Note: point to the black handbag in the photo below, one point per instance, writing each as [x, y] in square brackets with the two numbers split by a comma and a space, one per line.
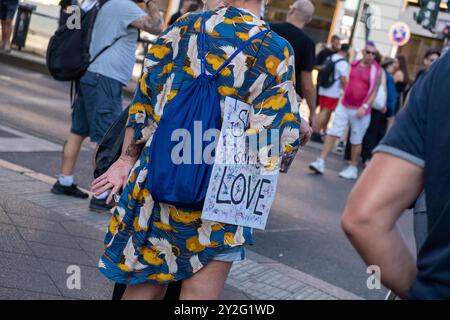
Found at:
[110, 147]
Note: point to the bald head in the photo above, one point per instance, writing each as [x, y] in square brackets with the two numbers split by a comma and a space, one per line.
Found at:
[301, 12]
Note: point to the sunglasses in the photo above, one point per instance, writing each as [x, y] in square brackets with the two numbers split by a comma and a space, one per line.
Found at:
[373, 53]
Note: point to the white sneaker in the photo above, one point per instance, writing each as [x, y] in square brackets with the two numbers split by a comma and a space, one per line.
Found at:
[318, 166]
[351, 173]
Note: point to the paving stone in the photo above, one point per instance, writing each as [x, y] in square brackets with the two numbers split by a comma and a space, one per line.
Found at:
[51, 238]
[37, 223]
[56, 202]
[93, 285]
[4, 217]
[11, 241]
[8, 175]
[26, 280]
[21, 262]
[22, 187]
[21, 207]
[16, 294]
[71, 256]
[80, 230]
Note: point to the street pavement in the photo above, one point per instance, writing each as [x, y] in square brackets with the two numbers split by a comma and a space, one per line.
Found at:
[303, 233]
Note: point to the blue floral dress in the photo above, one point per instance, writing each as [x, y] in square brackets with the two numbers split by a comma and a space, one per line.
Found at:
[150, 242]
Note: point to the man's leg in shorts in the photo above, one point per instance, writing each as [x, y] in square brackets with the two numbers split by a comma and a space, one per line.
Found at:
[80, 125]
[340, 123]
[108, 107]
[328, 105]
[323, 119]
[359, 128]
[6, 15]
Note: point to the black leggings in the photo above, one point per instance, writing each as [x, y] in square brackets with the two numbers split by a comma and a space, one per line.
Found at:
[172, 294]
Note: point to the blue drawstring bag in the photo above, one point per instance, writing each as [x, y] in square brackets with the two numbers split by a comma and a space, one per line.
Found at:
[194, 111]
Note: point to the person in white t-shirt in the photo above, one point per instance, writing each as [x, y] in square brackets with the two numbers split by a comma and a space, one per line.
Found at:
[329, 97]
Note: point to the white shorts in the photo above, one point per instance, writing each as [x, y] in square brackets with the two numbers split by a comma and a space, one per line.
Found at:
[344, 117]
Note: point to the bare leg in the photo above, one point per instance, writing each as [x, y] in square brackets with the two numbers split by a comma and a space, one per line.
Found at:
[206, 284]
[6, 33]
[328, 146]
[70, 154]
[323, 119]
[146, 291]
[356, 153]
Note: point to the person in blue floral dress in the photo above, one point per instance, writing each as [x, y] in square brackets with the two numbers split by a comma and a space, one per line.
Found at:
[150, 244]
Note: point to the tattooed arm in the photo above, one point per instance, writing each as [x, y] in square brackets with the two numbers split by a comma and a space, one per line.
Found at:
[130, 149]
[153, 22]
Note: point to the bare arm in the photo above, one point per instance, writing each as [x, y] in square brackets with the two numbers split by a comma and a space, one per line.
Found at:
[116, 176]
[309, 91]
[130, 149]
[343, 81]
[373, 208]
[151, 23]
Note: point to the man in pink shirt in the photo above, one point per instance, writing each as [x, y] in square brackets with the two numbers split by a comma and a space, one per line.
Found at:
[354, 111]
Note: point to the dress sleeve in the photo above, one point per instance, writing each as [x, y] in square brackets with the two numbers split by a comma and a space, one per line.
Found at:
[277, 106]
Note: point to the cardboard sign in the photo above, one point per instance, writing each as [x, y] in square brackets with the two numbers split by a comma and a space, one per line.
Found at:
[241, 190]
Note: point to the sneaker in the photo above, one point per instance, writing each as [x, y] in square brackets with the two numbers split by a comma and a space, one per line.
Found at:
[351, 173]
[316, 137]
[318, 166]
[72, 190]
[340, 147]
[100, 205]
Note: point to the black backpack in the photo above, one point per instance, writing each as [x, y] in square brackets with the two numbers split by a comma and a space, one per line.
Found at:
[68, 49]
[110, 148]
[327, 75]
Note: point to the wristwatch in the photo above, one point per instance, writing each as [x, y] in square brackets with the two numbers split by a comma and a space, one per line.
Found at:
[365, 106]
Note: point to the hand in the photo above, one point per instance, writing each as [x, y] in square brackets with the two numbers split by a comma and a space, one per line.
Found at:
[361, 112]
[384, 110]
[305, 133]
[116, 177]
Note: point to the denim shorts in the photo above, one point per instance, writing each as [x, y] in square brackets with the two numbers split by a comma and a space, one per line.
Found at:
[97, 105]
[8, 9]
[231, 255]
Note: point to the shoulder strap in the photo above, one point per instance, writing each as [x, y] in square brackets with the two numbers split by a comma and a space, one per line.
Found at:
[228, 61]
[242, 47]
[105, 48]
[203, 43]
[338, 60]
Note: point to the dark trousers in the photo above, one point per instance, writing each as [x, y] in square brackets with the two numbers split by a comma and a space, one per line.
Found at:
[376, 131]
[172, 294]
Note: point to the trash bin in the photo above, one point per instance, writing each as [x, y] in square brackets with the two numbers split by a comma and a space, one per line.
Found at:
[22, 24]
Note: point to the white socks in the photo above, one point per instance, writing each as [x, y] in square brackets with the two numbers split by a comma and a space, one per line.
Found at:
[66, 181]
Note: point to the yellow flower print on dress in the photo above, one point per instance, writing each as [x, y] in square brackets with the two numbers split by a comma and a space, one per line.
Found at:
[275, 102]
[150, 255]
[159, 51]
[272, 64]
[161, 277]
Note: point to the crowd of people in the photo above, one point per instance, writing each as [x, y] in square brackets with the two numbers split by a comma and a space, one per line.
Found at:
[365, 96]
[151, 246]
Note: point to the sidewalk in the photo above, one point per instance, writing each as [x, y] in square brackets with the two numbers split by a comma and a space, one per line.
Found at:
[42, 234]
[37, 63]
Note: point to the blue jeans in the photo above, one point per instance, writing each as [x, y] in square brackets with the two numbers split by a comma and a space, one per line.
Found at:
[97, 105]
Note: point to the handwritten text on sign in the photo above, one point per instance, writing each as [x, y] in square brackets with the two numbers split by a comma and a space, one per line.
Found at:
[238, 193]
